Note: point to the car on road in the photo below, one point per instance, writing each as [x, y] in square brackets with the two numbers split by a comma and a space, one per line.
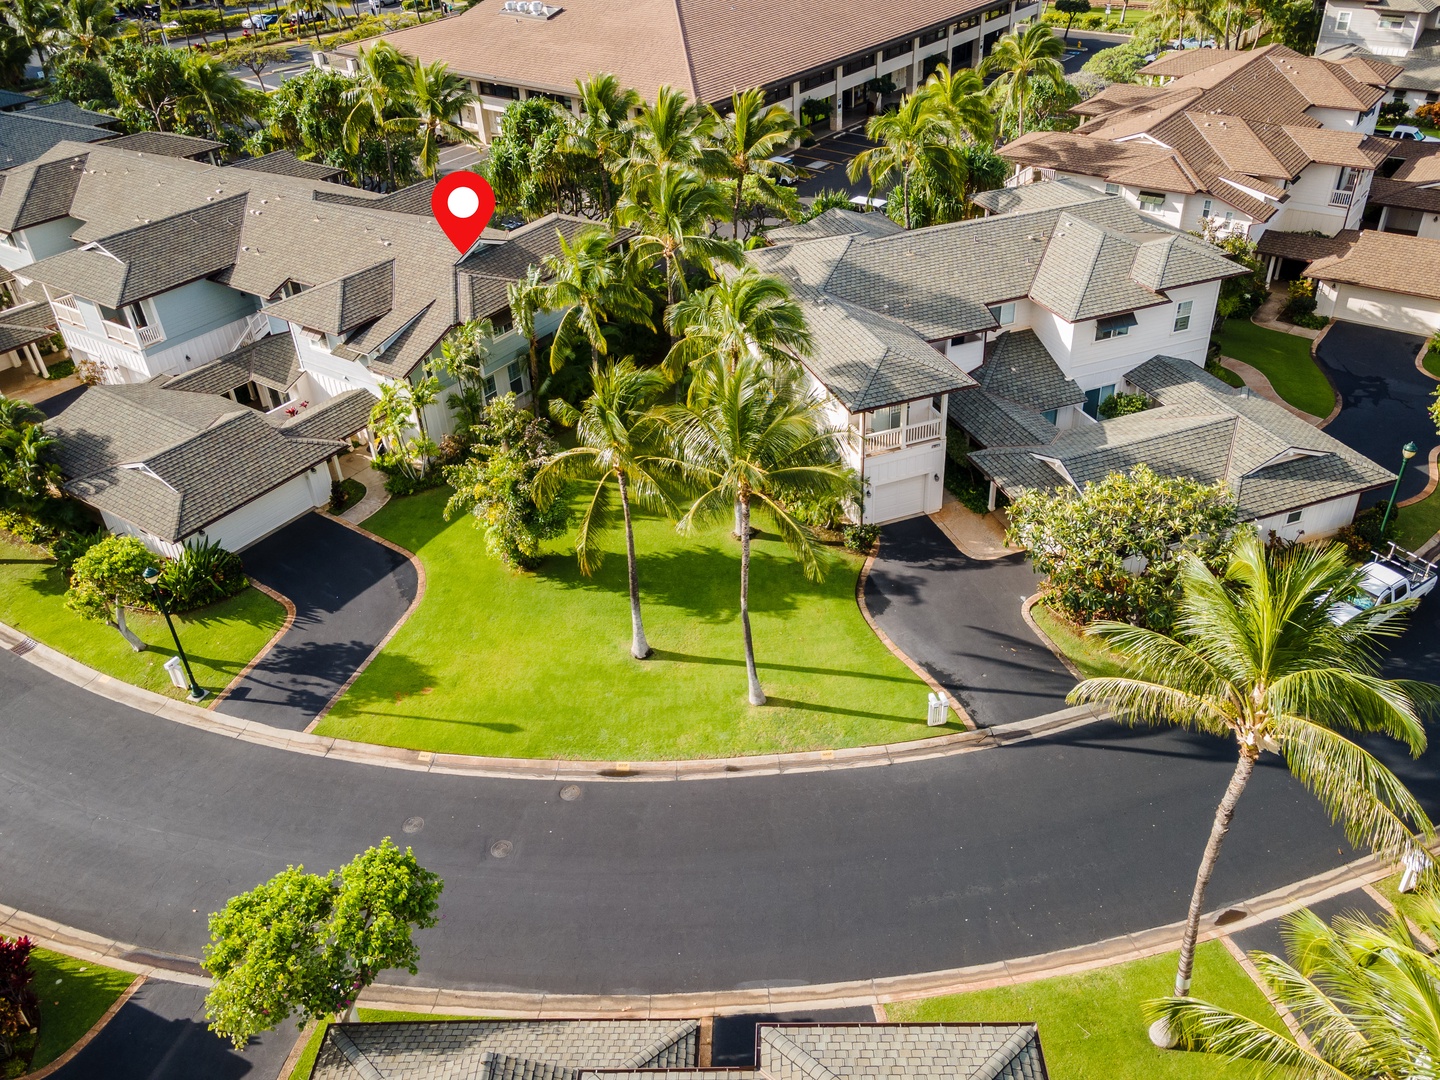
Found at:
[258, 22]
[297, 17]
[1407, 131]
[786, 175]
[1387, 579]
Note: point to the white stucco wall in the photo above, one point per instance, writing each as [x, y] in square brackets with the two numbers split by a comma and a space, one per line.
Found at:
[1373, 307]
[1316, 521]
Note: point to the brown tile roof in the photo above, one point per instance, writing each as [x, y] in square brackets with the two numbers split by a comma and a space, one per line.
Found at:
[708, 48]
[1306, 246]
[1390, 262]
[1182, 62]
[1409, 196]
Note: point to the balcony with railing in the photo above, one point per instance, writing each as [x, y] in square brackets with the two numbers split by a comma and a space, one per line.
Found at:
[911, 425]
[1342, 198]
[67, 311]
[137, 337]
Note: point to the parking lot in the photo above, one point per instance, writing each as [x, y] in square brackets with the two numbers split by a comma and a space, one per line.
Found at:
[823, 164]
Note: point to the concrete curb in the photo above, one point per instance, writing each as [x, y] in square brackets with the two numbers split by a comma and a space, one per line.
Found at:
[1036, 629]
[553, 770]
[1315, 358]
[859, 992]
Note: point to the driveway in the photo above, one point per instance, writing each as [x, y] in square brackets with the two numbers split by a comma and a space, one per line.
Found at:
[1384, 399]
[959, 618]
[160, 1034]
[348, 591]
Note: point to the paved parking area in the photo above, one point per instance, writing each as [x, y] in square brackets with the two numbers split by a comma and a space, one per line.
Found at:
[827, 160]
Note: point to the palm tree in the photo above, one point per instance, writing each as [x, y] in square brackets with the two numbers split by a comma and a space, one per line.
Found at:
[1027, 52]
[1256, 658]
[433, 100]
[1364, 993]
[382, 79]
[757, 439]
[913, 140]
[959, 96]
[671, 132]
[526, 298]
[671, 209]
[748, 315]
[594, 284]
[35, 21]
[621, 438]
[750, 136]
[87, 27]
[215, 95]
[603, 131]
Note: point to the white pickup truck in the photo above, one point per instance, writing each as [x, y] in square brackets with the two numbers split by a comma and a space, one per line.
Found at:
[1396, 575]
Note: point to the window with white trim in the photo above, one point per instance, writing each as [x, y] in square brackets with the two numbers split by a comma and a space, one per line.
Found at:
[1206, 207]
[1152, 200]
[1391, 22]
[1112, 189]
[1182, 315]
[517, 384]
[1342, 21]
[1004, 313]
[1293, 518]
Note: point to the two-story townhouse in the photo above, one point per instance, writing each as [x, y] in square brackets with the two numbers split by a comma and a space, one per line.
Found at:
[833, 51]
[1010, 325]
[1407, 190]
[1405, 33]
[1241, 142]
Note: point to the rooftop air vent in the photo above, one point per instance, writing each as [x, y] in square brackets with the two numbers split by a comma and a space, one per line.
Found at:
[530, 9]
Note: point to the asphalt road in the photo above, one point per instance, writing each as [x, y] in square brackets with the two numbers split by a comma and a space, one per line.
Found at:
[133, 827]
[959, 618]
[1385, 399]
[348, 592]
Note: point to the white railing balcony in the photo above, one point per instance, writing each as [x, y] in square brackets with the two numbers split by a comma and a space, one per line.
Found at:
[878, 442]
[67, 312]
[922, 432]
[896, 438]
[136, 337]
[1341, 198]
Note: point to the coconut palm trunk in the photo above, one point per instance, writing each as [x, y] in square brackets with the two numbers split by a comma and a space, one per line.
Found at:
[757, 693]
[1224, 814]
[639, 647]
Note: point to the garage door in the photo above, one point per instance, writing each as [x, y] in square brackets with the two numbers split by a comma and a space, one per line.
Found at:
[897, 499]
[242, 528]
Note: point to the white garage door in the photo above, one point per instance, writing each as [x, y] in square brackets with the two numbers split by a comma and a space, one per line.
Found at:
[897, 499]
[242, 528]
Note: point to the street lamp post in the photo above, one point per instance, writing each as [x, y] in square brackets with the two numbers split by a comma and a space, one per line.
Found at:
[152, 576]
[1408, 451]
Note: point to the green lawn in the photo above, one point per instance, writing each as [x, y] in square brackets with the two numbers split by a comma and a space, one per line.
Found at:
[1091, 656]
[73, 995]
[1431, 362]
[1090, 1024]
[306, 1061]
[538, 665]
[1285, 360]
[220, 639]
[1418, 522]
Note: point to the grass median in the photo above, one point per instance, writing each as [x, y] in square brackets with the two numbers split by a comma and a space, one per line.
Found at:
[1284, 359]
[73, 994]
[538, 664]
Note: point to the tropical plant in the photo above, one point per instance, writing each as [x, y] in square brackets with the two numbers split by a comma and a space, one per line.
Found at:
[828, 199]
[109, 578]
[1029, 51]
[595, 284]
[85, 82]
[985, 170]
[87, 27]
[148, 81]
[214, 96]
[526, 298]
[748, 315]
[464, 352]
[671, 210]
[602, 131]
[915, 140]
[203, 573]
[755, 439]
[959, 96]
[310, 943]
[401, 410]
[529, 166]
[1257, 658]
[749, 135]
[1111, 550]
[19, 1005]
[257, 58]
[1363, 991]
[496, 485]
[36, 22]
[1071, 8]
[621, 439]
[376, 98]
[433, 102]
[673, 131]
[1118, 64]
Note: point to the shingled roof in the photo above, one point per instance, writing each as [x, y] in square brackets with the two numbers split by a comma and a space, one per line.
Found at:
[1201, 428]
[1391, 262]
[270, 361]
[667, 1049]
[25, 324]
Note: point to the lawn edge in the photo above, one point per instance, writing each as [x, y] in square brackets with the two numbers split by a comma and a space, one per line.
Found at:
[285, 625]
[1038, 631]
[95, 1029]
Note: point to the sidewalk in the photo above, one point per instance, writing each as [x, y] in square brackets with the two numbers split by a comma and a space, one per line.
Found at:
[978, 536]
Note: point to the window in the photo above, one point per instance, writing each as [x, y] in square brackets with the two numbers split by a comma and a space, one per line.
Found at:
[885, 419]
[1342, 21]
[819, 78]
[9, 240]
[137, 315]
[517, 384]
[1152, 200]
[1182, 315]
[1294, 517]
[1229, 216]
[1004, 313]
[932, 36]
[1112, 189]
[1093, 398]
[1206, 207]
[1051, 414]
[864, 63]
[1391, 22]
[490, 89]
[1113, 327]
[488, 388]
[895, 50]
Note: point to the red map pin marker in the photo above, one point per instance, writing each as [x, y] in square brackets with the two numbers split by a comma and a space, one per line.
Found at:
[463, 205]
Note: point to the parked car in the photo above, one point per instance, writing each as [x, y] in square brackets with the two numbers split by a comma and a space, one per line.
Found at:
[297, 17]
[258, 22]
[866, 202]
[787, 163]
[1387, 579]
[1407, 131]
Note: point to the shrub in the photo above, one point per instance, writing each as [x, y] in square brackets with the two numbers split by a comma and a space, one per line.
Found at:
[818, 513]
[1118, 64]
[815, 111]
[203, 574]
[1301, 300]
[1123, 405]
[70, 544]
[1363, 535]
[401, 477]
[861, 539]
[19, 1006]
[1429, 114]
[26, 527]
[1394, 112]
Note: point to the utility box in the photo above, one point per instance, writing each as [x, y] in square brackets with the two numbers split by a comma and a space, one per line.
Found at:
[938, 712]
[176, 672]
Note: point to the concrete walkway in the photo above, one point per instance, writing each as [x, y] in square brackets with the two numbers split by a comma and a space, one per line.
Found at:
[1268, 315]
[1256, 380]
[979, 536]
[375, 494]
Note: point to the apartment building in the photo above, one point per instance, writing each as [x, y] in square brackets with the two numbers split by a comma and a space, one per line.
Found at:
[828, 51]
[1404, 33]
[1247, 141]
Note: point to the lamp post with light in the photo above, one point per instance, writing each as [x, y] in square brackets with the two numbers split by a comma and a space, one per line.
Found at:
[1408, 451]
[152, 578]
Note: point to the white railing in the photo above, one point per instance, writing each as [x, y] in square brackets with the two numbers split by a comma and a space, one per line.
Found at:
[67, 312]
[881, 442]
[136, 337]
[1341, 198]
[149, 335]
[255, 326]
[922, 432]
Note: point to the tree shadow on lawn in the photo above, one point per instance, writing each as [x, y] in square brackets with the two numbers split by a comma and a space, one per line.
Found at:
[702, 580]
[725, 661]
[835, 710]
[392, 678]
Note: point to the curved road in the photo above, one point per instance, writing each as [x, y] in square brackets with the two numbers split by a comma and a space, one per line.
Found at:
[134, 827]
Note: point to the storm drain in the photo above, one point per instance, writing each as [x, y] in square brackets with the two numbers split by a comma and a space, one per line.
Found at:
[501, 848]
[24, 645]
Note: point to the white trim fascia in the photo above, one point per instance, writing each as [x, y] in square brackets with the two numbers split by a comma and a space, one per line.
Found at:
[1058, 466]
[141, 467]
[1144, 136]
[1248, 191]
